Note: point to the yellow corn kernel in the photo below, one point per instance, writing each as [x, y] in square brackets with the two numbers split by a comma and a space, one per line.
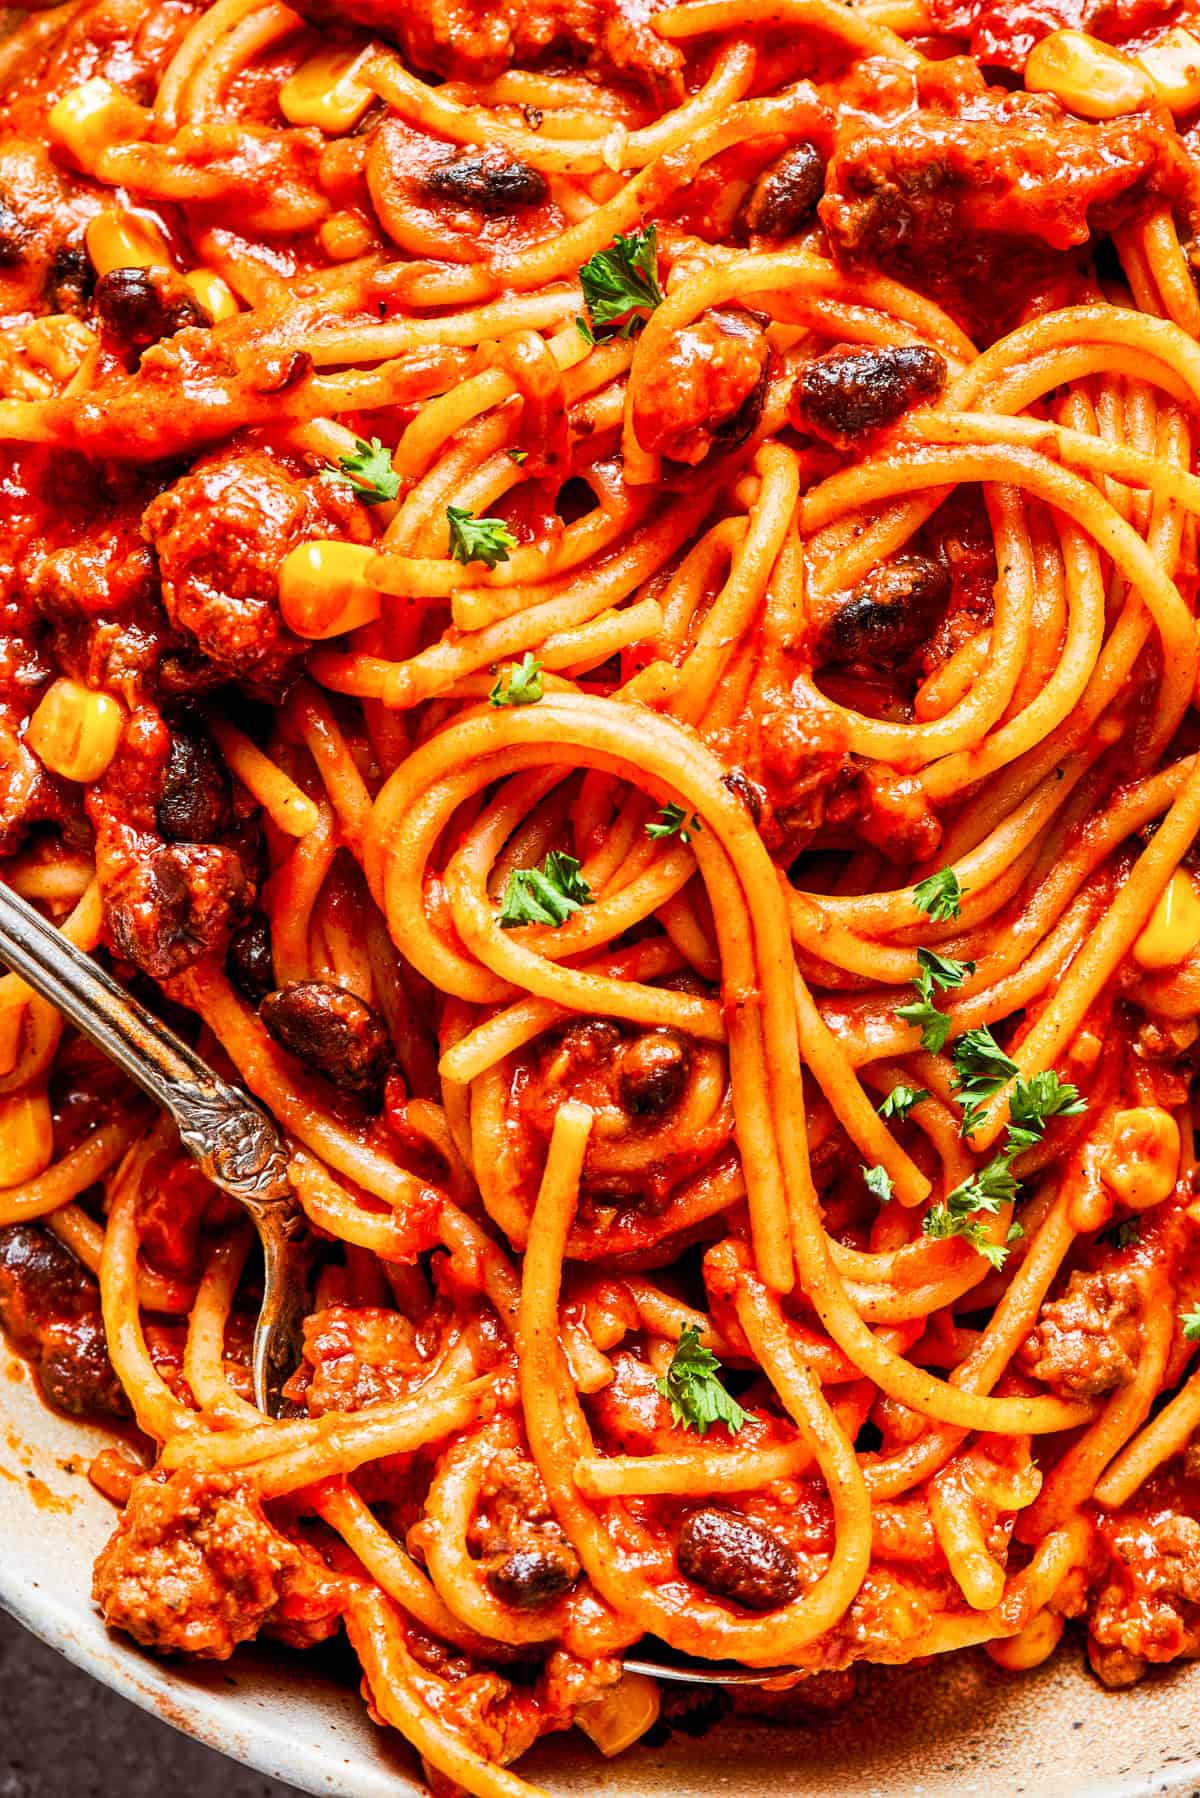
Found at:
[1173, 65]
[93, 117]
[1086, 75]
[625, 1712]
[1140, 1165]
[26, 1137]
[345, 235]
[74, 731]
[216, 296]
[322, 591]
[324, 91]
[1031, 1646]
[1173, 928]
[125, 240]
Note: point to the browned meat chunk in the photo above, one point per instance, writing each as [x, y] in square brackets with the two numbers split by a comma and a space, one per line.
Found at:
[356, 1358]
[176, 904]
[50, 1307]
[1087, 1341]
[526, 1558]
[785, 196]
[220, 534]
[847, 393]
[895, 610]
[1148, 1609]
[102, 570]
[705, 389]
[195, 1567]
[45, 213]
[28, 795]
[949, 194]
[1001, 35]
[332, 1032]
[727, 1554]
[473, 40]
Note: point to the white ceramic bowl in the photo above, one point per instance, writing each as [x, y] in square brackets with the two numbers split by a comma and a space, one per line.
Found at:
[932, 1731]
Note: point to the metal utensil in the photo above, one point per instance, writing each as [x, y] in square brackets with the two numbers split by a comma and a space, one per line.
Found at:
[237, 1146]
[226, 1132]
[693, 1673]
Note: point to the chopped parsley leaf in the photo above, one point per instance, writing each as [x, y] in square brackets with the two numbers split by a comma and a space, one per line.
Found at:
[673, 821]
[620, 285]
[545, 895]
[368, 468]
[939, 896]
[693, 1390]
[521, 685]
[486, 540]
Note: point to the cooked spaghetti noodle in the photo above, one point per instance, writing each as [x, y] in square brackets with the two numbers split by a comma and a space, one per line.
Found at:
[602, 602]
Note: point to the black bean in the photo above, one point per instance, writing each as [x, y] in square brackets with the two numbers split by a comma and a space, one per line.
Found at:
[50, 1306]
[894, 611]
[333, 1032]
[847, 392]
[736, 1559]
[785, 195]
[277, 371]
[194, 803]
[531, 1577]
[141, 306]
[249, 962]
[71, 280]
[652, 1072]
[745, 789]
[489, 182]
[737, 430]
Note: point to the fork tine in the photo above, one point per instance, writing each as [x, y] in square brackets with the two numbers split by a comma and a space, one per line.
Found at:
[229, 1135]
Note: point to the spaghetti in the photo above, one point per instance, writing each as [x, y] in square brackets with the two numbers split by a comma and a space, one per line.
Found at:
[605, 601]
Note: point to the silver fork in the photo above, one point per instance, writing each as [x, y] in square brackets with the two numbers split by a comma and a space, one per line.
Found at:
[225, 1131]
[236, 1145]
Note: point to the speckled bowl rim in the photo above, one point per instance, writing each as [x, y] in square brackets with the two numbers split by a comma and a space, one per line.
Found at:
[946, 1730]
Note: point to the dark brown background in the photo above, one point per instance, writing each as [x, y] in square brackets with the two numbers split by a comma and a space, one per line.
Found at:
[64, 1736]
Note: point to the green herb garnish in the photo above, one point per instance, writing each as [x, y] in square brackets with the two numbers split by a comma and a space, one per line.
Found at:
[693, 1390]
[673, 821]
[545, 895]
[520, 685]
[939, 896]
[620, 285]
[486, 540]
[368, 468]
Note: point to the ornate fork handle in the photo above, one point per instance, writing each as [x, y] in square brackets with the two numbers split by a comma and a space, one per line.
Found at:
[229, 1135]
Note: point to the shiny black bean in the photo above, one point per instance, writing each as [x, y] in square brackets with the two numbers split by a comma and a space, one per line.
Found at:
[531, 1577]
[847, 392]
[488, 182]
[736, 1559]
[652, 1073]
[333, 1032]
[194, 801]
[249, 962]
[894, 611]
[141, 306]
[785, 196]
